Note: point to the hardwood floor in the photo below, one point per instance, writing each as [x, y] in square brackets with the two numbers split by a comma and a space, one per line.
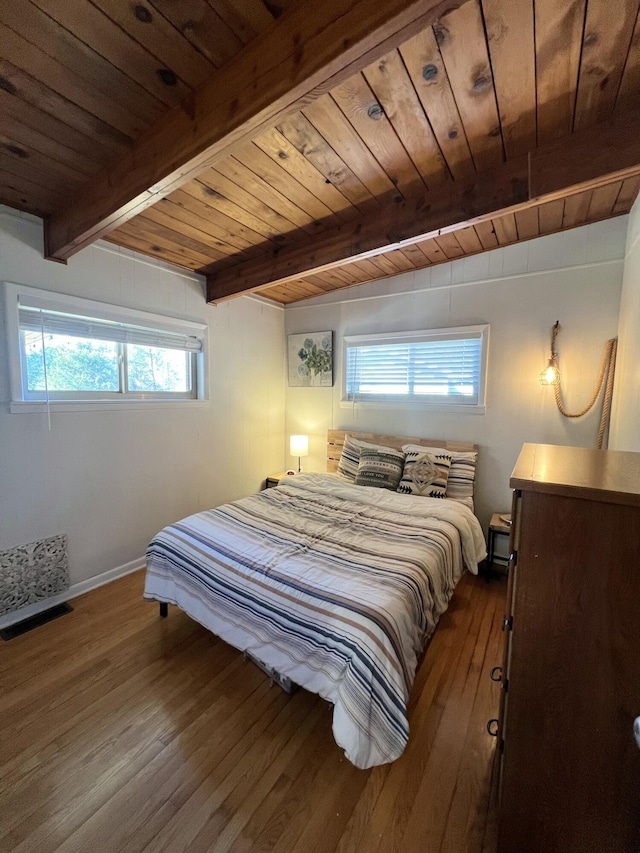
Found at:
[121, 731]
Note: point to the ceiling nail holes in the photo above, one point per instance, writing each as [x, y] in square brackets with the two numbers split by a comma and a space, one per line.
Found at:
[167, 76]
[429, 72]
[375, 112]
[282, 155]
[453, 134]
[142, 14]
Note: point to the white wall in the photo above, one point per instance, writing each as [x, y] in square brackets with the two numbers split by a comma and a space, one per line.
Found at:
[110, 480]
[574, 277]
[625, 419]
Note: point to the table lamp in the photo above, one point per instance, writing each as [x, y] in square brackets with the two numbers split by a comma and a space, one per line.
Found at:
[299, 446]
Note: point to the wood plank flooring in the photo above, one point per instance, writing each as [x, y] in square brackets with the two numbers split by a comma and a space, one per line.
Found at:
[121, 731]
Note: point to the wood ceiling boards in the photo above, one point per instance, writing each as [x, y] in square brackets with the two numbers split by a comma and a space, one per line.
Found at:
[89, 90]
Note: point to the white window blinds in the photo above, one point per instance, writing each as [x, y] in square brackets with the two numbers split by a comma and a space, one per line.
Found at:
[77, 353]
[444, 366]
[53, 322]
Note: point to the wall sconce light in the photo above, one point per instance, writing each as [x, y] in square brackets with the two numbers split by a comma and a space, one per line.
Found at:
[299, 446]
[551, 376]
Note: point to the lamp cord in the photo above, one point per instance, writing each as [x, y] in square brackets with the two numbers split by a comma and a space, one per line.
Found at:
[607, 367]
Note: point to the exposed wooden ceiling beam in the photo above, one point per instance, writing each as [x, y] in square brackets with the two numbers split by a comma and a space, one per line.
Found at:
[309, 50]
[586, 159]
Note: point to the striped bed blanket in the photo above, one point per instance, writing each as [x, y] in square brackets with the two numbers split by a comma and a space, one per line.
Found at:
[336, 586]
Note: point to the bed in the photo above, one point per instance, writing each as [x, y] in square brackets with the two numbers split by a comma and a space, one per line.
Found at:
[336, 586]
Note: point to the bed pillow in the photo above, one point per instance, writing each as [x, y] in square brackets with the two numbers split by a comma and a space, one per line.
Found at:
[426, 471]
[350, 456]
[380, 467]
[462, 475]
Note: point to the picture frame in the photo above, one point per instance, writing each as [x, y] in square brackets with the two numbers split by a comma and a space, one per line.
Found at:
[310, 359]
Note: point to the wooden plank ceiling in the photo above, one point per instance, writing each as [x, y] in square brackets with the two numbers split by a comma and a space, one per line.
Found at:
[489, 82]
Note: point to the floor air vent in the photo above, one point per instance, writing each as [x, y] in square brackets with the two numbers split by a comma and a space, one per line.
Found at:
[35, 621]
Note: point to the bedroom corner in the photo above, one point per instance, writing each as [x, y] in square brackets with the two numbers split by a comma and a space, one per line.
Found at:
[109, 480]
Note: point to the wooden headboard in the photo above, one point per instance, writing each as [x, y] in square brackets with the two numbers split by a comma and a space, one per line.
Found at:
[335, 440]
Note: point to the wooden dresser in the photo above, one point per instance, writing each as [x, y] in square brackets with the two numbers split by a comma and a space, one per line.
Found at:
[570, 779]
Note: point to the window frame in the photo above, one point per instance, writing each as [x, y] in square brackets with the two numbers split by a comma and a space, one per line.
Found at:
[21, 399]
[404, 401]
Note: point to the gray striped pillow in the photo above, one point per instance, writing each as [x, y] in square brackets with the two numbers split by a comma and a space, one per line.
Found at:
[462, 475]
[349, 458]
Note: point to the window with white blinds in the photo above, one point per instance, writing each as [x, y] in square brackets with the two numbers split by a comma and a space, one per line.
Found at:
[72, 349]
[443, 368]
[73, 325]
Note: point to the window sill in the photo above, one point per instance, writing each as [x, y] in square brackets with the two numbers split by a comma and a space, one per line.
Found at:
[34, 407]
[425, 407]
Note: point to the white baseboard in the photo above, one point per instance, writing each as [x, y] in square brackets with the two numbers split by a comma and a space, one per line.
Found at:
[74, 591]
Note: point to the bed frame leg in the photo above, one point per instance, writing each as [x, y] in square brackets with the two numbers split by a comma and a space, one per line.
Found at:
[164, 609]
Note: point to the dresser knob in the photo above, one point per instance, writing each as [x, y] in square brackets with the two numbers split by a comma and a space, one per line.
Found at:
[492, 727]
[507, 623]
[496, 673]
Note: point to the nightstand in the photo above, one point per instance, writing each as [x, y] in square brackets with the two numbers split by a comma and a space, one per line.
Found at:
[273, 479]
[497, 527]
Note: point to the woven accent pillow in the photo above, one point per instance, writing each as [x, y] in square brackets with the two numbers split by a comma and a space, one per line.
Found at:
[462, 475]
[350, 456]
[380, 467]
[426, 471]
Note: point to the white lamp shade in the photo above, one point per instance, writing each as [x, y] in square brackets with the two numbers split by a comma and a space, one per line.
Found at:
[299, 445]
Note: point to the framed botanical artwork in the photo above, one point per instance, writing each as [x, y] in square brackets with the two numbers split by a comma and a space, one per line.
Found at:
[310, 359]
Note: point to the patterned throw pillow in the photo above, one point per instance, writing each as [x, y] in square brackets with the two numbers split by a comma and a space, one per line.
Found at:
[462, 475]
[350, 456]
[380, 467]
[426, 470]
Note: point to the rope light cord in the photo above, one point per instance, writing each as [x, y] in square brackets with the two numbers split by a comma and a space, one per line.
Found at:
[608, 393]
[607, 368]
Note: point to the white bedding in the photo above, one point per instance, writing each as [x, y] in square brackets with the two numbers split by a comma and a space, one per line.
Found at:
[334, 585]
